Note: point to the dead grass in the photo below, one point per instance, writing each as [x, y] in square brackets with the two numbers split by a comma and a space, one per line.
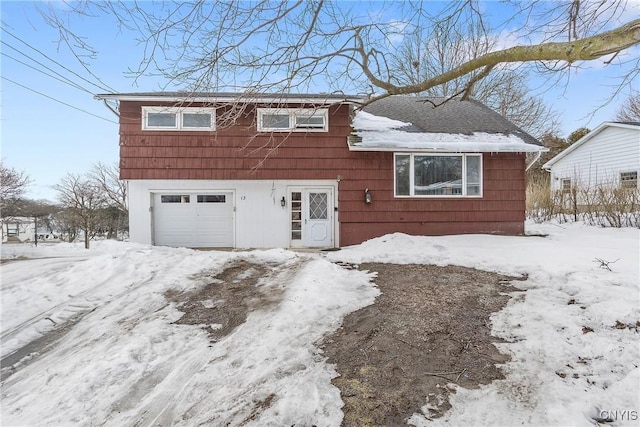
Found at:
[430, 327]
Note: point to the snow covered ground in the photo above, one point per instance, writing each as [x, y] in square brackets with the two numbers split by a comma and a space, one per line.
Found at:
[572, 332]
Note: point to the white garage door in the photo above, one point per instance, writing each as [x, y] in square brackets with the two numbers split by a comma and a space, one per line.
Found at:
[197, 220]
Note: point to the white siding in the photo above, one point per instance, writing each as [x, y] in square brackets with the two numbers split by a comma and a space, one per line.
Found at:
[600, 160]
[24, 226]
[259, 219]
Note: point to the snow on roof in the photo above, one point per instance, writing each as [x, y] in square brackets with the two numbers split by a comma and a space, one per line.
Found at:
[378, 133]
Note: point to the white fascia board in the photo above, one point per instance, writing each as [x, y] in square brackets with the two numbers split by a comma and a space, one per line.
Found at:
[529, 148]
[584, 139]
[577, 144]
[330, 99]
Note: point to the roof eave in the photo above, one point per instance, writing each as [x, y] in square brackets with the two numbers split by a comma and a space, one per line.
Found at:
[583, 140]
[329, 99]
[533, 149]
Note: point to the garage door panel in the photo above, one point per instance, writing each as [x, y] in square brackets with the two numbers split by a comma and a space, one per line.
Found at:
[194, 220]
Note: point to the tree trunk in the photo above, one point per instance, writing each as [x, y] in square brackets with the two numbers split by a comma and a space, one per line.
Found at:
[86, 238]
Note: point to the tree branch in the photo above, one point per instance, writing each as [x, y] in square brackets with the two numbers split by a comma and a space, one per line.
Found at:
[585, 49]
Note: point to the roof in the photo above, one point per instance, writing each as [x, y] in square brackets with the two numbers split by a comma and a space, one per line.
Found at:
[587, 137]
[232, 97]
[431, 124]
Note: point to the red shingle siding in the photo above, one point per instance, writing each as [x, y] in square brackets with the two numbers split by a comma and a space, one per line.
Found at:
[236, 152]
[501, 209]
[233, 152]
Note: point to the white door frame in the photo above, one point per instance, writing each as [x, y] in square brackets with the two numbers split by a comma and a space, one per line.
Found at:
[306, 223]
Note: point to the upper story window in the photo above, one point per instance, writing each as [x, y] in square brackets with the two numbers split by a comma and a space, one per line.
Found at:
[176, 118]
[292, 119]
[438, 175]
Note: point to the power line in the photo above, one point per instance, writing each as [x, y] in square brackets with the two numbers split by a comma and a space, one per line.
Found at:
[57, 100]
[104, 88]
[62, 78]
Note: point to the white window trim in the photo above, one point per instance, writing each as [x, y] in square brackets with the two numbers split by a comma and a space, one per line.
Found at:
[178, 111]
[626, 182]
[412, 194]
[293, 113]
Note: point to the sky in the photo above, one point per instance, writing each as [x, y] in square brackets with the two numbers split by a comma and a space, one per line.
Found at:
[50, 128]
[570, 329]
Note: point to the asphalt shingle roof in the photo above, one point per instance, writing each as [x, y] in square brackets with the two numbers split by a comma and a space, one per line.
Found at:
[434, 115]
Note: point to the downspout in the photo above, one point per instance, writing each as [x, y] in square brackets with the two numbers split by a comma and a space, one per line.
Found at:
[114, 111]
[538, 155]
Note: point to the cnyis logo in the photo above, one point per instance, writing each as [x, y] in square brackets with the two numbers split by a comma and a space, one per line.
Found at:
[619, 415]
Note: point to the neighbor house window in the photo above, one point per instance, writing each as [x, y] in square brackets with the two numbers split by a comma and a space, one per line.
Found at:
[629, 179]
[565, 185]
[13, 230]
[292, 119]
[436, 175]
[175, 118]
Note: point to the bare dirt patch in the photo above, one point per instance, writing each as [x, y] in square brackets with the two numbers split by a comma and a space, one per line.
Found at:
[222, 304]
[429, 327]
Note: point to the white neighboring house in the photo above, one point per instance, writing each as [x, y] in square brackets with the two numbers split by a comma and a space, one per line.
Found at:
[18, 229]
[607, 156]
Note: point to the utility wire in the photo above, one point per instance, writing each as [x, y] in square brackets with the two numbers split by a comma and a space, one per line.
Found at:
[61, 78]
[57, 100]
[104, 88]
[84, 65]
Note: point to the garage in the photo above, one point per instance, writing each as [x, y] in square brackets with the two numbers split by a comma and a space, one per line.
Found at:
[198, 220]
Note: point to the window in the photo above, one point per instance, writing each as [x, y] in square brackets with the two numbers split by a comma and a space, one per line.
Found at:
[317, 205]
[629, 179]
[13, 230]
[433, 175]
[565, 185]
[292, 120]
[174, 198]
[174, 118]
[296, 215]
[212, 198]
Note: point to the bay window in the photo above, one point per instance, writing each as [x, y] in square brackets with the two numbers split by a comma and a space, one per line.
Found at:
[438, 175]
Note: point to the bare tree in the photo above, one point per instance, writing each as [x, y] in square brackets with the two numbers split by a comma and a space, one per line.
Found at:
[510, 97]
[629, 111]
[268, 46]
[504, 89]
[13, 184]
[84, 202]
[107, 177]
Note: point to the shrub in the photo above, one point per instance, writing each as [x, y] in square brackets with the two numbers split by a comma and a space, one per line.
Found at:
[604, 205]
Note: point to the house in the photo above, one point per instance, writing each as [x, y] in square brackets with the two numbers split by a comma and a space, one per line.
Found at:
[607, 156]
[18, 229]
[230, 170]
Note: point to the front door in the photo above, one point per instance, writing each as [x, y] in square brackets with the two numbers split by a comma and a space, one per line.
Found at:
[312, 217]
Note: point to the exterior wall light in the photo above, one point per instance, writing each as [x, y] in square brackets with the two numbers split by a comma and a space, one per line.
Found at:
[367, 197]
[283, 202]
